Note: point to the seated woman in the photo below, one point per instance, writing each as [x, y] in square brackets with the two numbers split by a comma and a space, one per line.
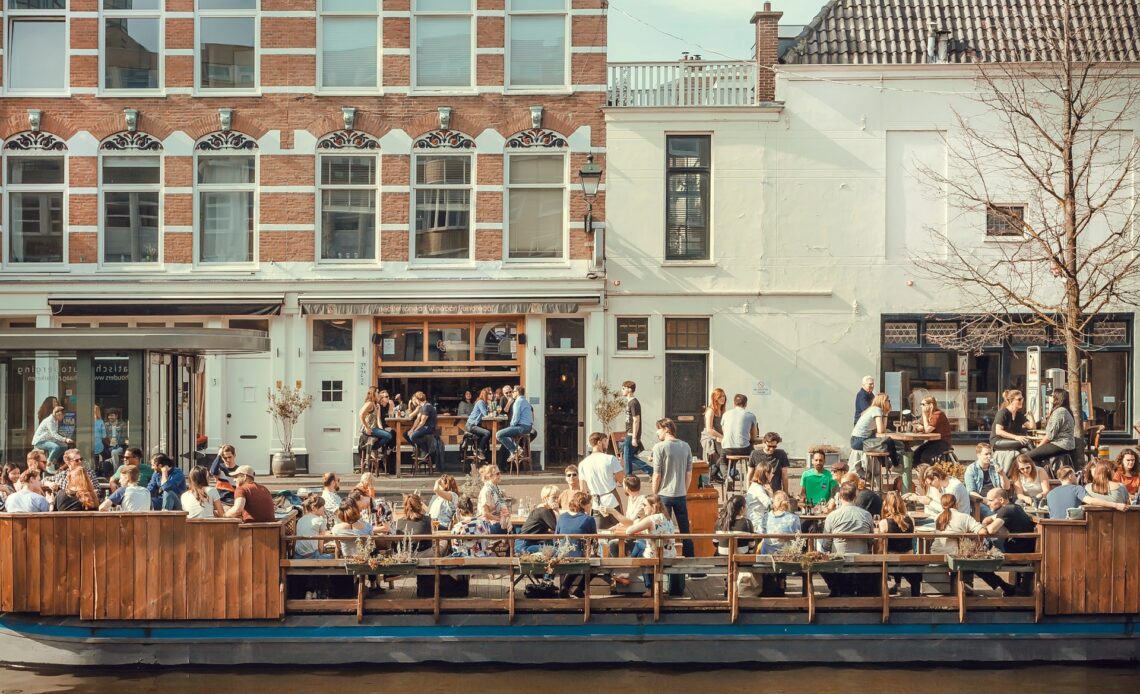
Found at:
[9, 478]
[733, 519]
[873, 423]
[378, 510]
[79, 495]
[1060, 427]
[350, 524]
[780, 520]
[1127, 472]
[444, 500]
[577, 521]
[541, 521]
[895, 521]
[200, 500]
[468, 523]
[758, 496]
[1012, 424]
[656, 521]
[1102, 487]
[953, 522]
[1029, 483]
[415, 521]
[934, 421]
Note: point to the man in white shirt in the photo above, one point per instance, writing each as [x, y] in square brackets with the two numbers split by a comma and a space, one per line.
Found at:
[47, 437]
[601, 473]
[938, 483]
[129, 497]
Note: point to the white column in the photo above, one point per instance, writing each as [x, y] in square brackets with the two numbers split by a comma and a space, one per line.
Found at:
[595, 363]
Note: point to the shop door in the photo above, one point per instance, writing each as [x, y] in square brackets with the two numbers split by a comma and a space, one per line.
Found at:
[332, 425]
[564, 420]
[248, 425]
[686, 387]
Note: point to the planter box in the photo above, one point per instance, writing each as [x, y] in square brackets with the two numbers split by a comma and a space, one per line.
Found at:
[959, 564]
[399, 569]
[563, 568]
[533, 568]
[795, 567]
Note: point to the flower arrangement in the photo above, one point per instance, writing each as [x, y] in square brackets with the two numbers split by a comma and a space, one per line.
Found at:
[286, 405]
[795, 552]
[365, 560]
[609, 406]
[551, 558]
[976, 549]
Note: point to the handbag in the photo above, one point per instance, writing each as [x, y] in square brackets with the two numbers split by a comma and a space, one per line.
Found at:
[875, 444]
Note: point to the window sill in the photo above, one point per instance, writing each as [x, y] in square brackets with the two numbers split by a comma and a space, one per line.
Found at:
[457, 265]
[132, 268]
[553, 90]
[370, 91]
[37, 268]
[1002, 240]
[347, 265]
[131, 93]
[226, 92]
[688, 263]
[531, 264]
[646, 354]
[442, 91]
[38, 94]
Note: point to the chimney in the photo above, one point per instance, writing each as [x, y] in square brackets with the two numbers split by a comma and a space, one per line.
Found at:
[767, 51]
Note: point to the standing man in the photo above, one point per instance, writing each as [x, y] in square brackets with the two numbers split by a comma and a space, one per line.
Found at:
[864, 396]
[632, 442]
[522, 420]
[672, 472]
[602, 474]
[739, 429]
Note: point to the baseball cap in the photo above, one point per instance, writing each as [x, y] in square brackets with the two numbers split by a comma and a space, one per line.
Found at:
[245, 470]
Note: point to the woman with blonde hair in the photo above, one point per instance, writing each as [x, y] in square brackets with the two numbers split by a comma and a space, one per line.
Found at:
[758, 496]
[543, 519]
[873, 424]
[492, 504]
[712, 434]
[445, 499]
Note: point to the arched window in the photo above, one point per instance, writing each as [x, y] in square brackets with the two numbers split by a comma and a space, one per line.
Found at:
[536, 195]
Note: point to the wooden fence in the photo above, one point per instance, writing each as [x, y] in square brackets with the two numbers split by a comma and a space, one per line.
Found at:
[139, 566]
[1092, 566]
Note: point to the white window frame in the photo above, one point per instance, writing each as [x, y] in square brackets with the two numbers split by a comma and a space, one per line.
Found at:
[199, 15]
[567, 37]
[375, 14]
[9, 228]
[471, 213]
[472, 86]
[508, 186]
[253, 187]
[11, 16]
[158, 14]
[131, 188]
[321, 188]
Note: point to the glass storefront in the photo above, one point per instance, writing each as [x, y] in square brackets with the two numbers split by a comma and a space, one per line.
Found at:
[968, 385]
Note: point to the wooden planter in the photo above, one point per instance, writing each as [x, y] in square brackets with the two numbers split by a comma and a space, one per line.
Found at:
[795, 567]
[960, 564]
[396, 569]
[533, 568]
[563, 568]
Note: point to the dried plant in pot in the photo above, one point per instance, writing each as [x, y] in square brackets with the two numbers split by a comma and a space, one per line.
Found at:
[973, 555]
[400, 561]
[561, 562]
[536, 563]
[795, 557]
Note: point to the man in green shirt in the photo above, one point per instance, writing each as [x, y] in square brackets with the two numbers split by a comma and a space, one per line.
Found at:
[133, 456]
[818, 485]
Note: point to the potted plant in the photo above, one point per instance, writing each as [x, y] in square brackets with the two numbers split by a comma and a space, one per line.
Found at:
[561, 562]
[401, 561]
[794, 557]
[536, 563]
[609, 405]
[286, 405]
[973, 555]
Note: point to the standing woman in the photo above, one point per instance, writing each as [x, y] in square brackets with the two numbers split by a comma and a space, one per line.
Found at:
[493, 506]
[1128, 472]
[99, 443]
[223, 470]
[712, 434]
[1011, 424]
[1060, 437]
[934, 421]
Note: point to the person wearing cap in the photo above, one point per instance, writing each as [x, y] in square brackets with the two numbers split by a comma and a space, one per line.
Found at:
[252, 502]
[818, 485]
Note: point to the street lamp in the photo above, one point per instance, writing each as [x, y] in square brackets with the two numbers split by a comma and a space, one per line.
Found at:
[590, 176]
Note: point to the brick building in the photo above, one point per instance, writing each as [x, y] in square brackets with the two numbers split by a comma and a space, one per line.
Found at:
[389, 188]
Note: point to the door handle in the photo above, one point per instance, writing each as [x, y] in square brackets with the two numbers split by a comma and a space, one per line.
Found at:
[328, 430]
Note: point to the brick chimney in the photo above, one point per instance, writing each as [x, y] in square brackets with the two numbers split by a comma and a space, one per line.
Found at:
[767, 49]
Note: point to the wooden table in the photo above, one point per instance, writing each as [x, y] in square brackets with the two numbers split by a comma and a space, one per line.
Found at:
[907, 439]
[451, 427]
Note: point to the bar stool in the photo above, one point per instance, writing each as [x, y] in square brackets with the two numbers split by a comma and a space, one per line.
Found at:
[875, 463]
[469, 453]
[735, 461]
[515, 460]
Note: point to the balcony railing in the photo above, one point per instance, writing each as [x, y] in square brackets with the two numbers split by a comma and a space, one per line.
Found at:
[683, 83]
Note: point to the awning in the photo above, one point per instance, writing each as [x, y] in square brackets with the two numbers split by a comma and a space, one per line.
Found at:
[450, 306]
[257, 305]
[174, 340]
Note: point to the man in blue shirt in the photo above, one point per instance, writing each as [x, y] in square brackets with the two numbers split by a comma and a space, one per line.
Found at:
[522, 419]
[166, 484]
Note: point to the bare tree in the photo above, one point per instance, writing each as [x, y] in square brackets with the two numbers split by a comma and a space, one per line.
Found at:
[1047, 152]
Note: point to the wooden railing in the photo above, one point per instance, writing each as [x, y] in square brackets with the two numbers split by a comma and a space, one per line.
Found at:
[1092, 566]
[682, 83]
[139, 566]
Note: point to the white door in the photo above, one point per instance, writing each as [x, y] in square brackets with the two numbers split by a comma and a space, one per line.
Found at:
[248, 425]
[332, 429]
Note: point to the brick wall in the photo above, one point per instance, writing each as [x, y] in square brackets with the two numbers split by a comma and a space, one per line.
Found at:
[767, 51]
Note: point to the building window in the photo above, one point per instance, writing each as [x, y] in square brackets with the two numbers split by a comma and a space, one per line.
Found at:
[537, 43]
[332, 335]
[332, 391]
[444, 44]
[687, 177]
[130, 189]
[536, 201]
[565, 333]
[350, 40]
[687, 334]
[227, 44]
[132, 44]
[443, 207]
[1005, 220]
[37, 46]
[35, 187]
[226, 188]
[632, 334]
[348, 207]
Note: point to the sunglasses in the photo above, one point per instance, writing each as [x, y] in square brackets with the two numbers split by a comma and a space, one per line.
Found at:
[571, 474]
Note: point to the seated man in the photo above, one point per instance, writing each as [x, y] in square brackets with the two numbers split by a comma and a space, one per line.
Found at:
[522, 419]
[849, 518]
[28, 497]
[252, 502]
[422, 432]
[776, 458]
[130, 496]
[817, 485]
[166, 484]
[982, 476]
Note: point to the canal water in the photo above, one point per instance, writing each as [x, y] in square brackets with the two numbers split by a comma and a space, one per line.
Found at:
[1045, 679]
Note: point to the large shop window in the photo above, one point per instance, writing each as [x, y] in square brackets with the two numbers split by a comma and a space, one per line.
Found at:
[443, 207]
[350, 39]
[131, 192]
[35, 187]
[348, 208]
[915, 365]
[537, 43]
[132, 44]
[227, 44]
[536, 195]
[226, 191]
[37, 46]
[444, 44]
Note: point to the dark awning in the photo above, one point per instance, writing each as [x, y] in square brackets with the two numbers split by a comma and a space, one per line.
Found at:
[177, 340]
[447, 305]
[167, 306]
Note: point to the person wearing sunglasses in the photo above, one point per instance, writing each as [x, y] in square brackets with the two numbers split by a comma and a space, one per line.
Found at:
[572, 485]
